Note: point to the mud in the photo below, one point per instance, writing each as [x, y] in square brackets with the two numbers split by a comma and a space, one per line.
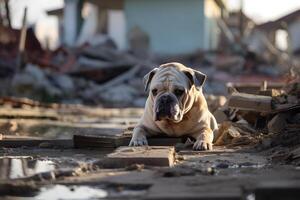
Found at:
[53, 171]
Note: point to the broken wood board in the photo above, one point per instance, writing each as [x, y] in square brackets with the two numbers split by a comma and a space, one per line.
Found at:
[163, 156]
[250, 102]
[253, 88]
[15, 142]
[102, 141]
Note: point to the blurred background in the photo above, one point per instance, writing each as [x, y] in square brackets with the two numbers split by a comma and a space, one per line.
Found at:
[96, 52]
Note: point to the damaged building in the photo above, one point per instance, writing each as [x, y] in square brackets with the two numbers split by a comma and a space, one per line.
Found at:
[158, 26]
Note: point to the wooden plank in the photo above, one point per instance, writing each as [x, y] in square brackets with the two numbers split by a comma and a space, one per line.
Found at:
[102, 141]
[86, 141]
[42, 143]
[250, 102]
[147, 155]
[253, 88]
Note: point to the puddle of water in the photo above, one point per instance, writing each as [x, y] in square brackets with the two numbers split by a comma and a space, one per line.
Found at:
[74, 192]
[20, 167]
[63, 192]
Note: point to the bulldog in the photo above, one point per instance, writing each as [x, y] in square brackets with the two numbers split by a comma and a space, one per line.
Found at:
[176, 107]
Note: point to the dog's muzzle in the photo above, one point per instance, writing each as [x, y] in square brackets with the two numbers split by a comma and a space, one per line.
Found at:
[167, 108]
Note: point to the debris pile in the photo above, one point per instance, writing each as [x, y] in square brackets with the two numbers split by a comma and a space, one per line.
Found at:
[267, 117]
[91, 74]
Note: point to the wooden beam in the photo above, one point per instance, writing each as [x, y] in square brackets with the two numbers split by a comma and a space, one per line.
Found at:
[102, 141]
[253, 88]
[42, 143]
[243, 101]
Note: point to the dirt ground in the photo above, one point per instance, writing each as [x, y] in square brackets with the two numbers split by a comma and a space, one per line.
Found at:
[45, 165]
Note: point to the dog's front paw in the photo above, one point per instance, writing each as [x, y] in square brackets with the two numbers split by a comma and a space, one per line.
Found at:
[140, 140]
[202, 145]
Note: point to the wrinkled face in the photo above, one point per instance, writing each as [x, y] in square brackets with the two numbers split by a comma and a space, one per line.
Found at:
[169, 91]
[171, 88]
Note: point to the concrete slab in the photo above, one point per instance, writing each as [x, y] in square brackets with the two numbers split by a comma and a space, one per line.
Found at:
[147, 155]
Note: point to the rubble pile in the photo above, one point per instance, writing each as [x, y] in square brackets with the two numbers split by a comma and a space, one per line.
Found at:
[267, 118]
[91, 74]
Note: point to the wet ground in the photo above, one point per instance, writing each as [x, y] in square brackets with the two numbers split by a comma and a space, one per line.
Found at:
[63, 172]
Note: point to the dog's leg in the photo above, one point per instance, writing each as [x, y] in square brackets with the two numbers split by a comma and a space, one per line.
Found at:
[204, 139]
[138, 136]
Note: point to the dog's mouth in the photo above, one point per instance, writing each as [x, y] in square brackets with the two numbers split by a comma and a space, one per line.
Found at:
[172, 114]
[167, 108]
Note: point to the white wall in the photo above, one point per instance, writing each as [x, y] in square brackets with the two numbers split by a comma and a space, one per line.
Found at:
[174, 27]
[117, 27]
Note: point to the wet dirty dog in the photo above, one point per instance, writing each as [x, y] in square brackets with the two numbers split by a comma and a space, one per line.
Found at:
[176, 107]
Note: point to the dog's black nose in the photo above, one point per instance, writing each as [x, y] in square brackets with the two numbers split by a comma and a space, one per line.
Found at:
[165, 99]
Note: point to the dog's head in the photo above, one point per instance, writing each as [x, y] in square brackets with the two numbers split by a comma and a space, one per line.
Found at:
[172, 87]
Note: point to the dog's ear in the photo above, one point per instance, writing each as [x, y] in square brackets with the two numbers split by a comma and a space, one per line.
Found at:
[148, 77]
[195, 77]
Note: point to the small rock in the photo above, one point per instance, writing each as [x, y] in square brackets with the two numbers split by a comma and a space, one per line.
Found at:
[45, 145]
[135, 167]
[246, 164]
[210, 171]
[222, 165]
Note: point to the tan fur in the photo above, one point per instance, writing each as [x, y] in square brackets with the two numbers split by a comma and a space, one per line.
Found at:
[197, 121]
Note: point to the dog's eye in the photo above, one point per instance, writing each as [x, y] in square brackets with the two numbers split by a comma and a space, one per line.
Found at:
[154, 92]
[178, 92]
